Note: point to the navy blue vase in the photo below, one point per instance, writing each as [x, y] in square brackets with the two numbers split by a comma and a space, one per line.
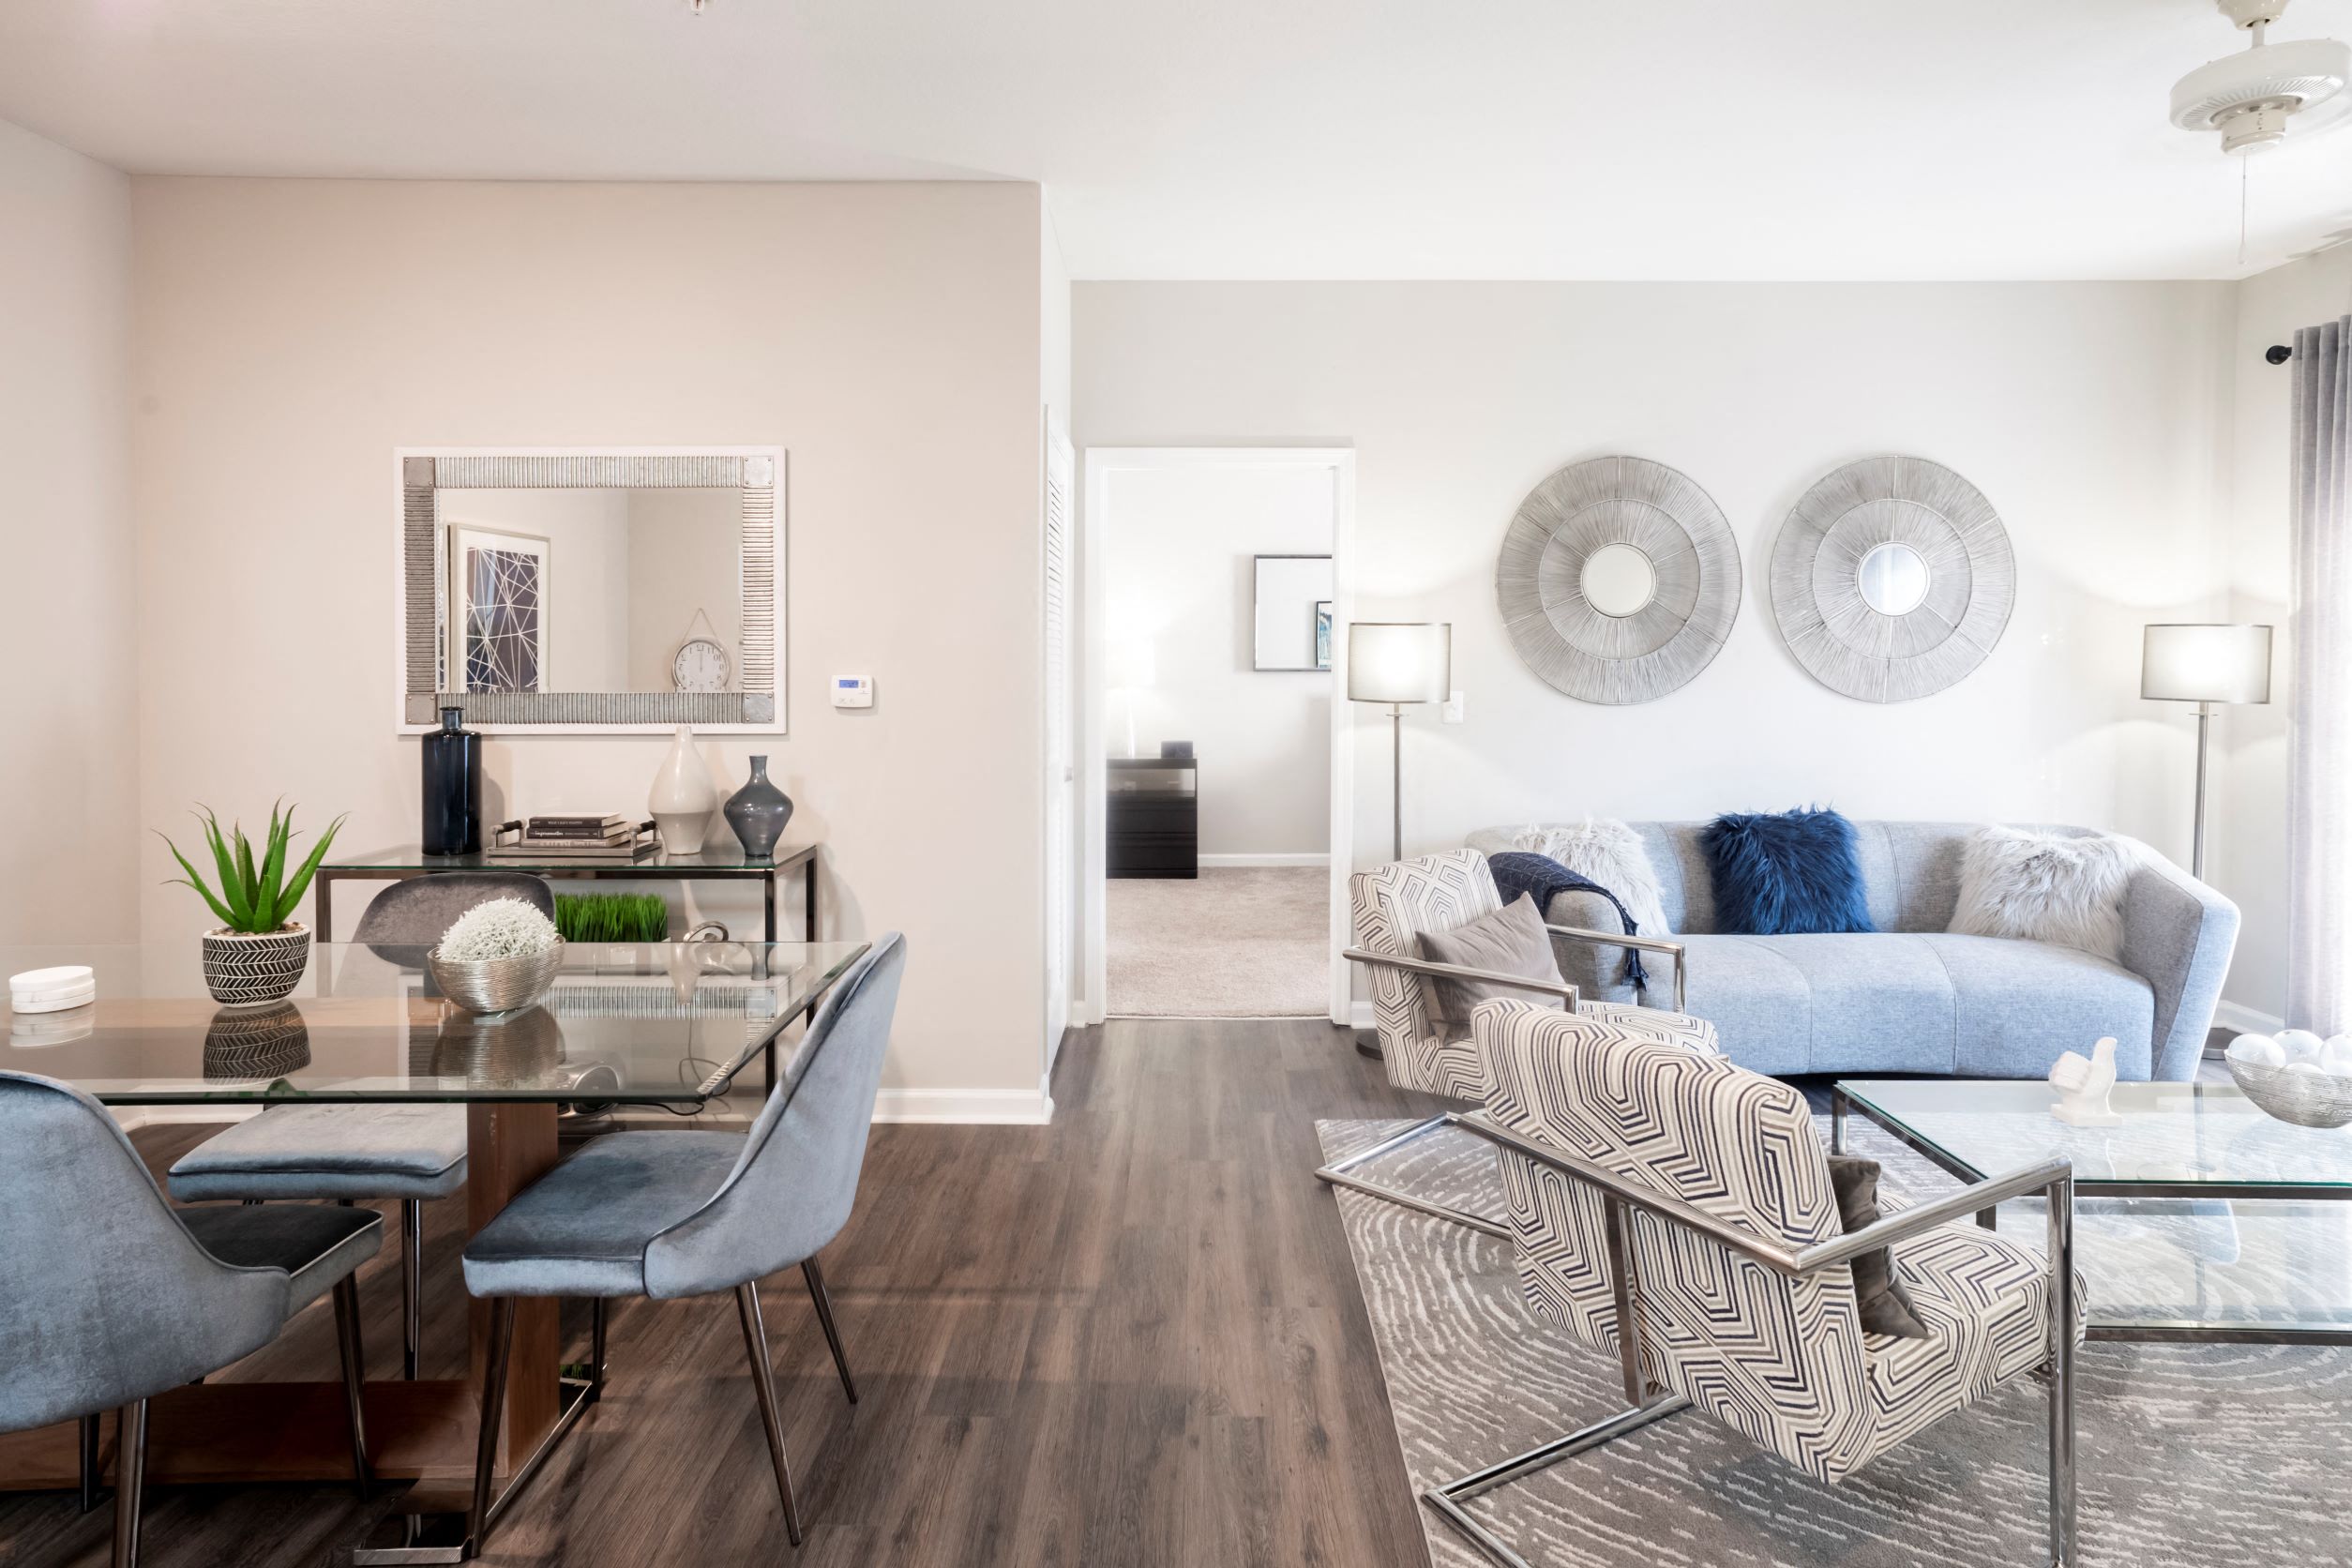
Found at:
[758, 813]
[453, 787]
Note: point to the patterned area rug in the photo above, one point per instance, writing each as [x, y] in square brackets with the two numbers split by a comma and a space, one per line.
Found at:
[2190, 1456]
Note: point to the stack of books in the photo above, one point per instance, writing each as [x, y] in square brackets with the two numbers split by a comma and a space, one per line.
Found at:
[573, 838]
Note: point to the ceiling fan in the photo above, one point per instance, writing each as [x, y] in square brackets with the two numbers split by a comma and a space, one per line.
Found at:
[2253, 97]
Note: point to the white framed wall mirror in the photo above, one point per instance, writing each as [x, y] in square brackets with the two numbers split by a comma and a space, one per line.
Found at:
[1290, 617]
[599, 590]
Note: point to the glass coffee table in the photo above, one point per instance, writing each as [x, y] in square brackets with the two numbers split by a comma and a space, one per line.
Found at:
[2198, 1218]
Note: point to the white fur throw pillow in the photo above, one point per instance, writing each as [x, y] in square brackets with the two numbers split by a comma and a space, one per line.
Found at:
[1611, 853]
[2046, 887]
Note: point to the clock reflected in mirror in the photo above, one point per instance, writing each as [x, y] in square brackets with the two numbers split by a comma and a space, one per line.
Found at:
[701, 665]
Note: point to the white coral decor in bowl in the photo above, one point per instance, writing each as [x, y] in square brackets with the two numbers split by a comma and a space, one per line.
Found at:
[497, 956]
[498, 929]
[2296, 1076]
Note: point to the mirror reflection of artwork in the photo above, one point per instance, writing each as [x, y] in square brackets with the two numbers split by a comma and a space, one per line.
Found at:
[623, 589]
[1291, 597]
[637, 567]
[500, 583]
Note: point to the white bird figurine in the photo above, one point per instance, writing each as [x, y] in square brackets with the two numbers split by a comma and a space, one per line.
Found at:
[2084, 1085]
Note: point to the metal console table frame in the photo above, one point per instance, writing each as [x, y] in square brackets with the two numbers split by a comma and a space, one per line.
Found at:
[402, 865]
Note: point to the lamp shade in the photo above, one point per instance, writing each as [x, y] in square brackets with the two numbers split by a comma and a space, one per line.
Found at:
[1400, 661]
[2205, 664]
[1131, 665]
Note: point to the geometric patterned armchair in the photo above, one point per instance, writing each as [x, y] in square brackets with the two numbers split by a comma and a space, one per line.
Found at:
[1650, 1182]
[1393, 907]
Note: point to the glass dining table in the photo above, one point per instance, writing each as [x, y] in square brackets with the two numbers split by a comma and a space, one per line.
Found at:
[668, 1024]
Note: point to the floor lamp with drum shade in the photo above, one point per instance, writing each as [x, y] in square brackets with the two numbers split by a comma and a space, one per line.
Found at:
[1398, 662]
[2207, 665]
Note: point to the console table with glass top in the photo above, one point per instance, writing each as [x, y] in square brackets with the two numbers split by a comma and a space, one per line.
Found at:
[712, 864]
[666, 1024]
[2235, 1227]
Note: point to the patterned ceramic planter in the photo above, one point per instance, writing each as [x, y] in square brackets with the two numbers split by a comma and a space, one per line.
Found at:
[257, 1042]
[242, 968]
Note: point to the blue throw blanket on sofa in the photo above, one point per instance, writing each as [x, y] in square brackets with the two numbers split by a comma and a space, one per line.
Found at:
[1540, 876]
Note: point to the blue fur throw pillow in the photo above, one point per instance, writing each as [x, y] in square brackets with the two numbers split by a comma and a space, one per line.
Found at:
[1778, 874]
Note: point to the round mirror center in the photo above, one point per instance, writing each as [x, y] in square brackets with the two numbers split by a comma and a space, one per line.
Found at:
[1619, 579]
[1894, 578]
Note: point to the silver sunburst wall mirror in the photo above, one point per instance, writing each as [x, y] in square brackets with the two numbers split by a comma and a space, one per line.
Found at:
[1893, 578]
[1619, 579]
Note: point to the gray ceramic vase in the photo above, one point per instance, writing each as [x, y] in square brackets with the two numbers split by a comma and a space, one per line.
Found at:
[758, 813]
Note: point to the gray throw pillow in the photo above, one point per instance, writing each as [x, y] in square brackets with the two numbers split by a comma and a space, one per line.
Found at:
[1885, 1306]
[1510, 941]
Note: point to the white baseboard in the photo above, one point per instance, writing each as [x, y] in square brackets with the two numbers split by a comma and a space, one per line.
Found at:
[1359, 1014]
[2247, 1020]
[1229, 862]
[1028, 1108]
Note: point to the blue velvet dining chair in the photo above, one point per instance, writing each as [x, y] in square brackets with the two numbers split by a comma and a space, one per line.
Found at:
[109, 1296]
[408, 1153]
[665, 1213]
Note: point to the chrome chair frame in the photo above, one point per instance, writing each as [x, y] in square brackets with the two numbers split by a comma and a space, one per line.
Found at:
[1673, 950]
[1646, 1404]
[1336, 1172]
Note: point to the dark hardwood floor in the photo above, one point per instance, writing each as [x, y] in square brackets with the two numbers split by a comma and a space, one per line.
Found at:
[1133, 1337]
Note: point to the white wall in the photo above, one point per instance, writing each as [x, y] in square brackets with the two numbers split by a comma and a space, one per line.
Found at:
[586, 589]
[685, 554]
[2092, 414]
[68, 593]
[1177, 575]
[291, 334]
[2247, 854]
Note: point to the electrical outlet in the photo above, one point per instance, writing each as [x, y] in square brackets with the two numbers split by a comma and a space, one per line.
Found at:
[1452, 712]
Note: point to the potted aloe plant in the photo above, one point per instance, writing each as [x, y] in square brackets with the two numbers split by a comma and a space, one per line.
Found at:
[258, 954]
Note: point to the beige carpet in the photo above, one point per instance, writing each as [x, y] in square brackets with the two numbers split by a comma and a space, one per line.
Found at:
[1228, 945]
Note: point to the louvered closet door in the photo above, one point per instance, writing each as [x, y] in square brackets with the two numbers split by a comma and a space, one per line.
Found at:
[1061, 782]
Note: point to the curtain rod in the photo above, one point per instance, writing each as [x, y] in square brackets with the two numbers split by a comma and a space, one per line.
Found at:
[2278, 354]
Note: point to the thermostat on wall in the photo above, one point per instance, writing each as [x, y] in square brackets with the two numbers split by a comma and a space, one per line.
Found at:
[853, 691]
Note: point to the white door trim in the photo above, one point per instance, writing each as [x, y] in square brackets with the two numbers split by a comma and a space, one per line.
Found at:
[1101, 463]
[1059, 481]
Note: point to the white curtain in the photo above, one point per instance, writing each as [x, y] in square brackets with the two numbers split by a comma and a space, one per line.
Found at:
[2319, 756]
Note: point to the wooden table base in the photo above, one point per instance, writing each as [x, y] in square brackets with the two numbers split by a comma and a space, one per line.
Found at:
[228, 1432]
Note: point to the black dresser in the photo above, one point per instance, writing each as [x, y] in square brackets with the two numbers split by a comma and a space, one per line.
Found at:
[1152, 822]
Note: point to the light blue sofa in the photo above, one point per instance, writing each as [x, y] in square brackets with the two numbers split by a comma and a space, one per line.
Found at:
[1912, 997]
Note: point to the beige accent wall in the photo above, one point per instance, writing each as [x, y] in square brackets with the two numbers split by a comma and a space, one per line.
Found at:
[291, 334]
[69, 594]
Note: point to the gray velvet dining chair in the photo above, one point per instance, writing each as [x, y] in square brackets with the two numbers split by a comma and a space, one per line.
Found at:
[109, 1296]
[408, 1153]
[666, 1214]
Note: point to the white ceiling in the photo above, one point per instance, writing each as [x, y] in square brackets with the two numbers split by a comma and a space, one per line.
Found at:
[1632, 139]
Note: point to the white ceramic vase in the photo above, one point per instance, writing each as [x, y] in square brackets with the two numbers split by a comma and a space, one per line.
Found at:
[682, 796]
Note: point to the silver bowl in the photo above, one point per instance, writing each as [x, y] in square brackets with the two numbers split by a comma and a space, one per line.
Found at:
[2306, 1099]
[496, 984]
